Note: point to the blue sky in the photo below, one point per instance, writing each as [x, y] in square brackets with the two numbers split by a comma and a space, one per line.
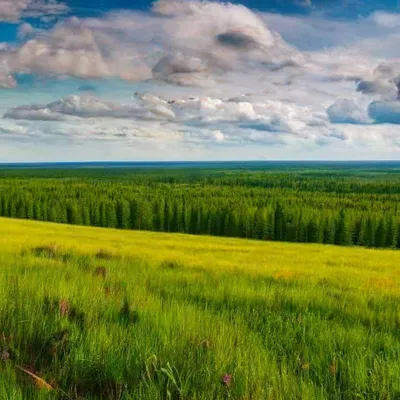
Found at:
[199, 80]
[344, 8]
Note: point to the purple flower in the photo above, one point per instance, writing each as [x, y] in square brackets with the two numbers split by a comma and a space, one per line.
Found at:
[227, 380]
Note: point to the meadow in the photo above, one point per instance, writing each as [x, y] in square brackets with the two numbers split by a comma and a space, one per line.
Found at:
[94, 313]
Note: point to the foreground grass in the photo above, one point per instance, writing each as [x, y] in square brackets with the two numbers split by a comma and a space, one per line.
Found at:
[95, 313]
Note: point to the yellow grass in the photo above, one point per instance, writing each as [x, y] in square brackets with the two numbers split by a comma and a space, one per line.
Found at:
[99, 313]
[350, 267]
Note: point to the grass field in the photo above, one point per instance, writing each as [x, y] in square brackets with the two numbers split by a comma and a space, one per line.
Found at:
[99, 313]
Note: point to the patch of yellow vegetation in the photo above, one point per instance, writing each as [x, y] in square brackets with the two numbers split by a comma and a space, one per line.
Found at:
[382, 284]
[286, 274]
[353, 268]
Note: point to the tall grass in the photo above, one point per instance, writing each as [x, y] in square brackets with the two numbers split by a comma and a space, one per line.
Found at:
[92, 313]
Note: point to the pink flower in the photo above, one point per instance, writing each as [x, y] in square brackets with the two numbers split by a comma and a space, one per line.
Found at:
[227, 380]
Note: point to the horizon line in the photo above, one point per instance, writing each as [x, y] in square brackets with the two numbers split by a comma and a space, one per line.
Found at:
[10, 163]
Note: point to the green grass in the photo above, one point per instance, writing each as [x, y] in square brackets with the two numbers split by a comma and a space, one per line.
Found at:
[99, 313]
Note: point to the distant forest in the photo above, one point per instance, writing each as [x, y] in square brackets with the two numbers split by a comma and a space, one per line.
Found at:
[335, 204]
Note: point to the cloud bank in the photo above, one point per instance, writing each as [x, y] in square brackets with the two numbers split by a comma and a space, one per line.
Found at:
[204, 75]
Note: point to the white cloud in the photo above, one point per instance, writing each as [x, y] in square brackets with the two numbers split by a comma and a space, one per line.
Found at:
[71, 48]
[186, 43]
[7, 81]
[347, 111]
[387, 20]
[88, 107]
[203, 119]
[225, 35]
[25, 30]
[14, 10]
[218, 136]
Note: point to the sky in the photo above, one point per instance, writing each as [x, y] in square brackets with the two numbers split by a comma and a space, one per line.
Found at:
[199, 80]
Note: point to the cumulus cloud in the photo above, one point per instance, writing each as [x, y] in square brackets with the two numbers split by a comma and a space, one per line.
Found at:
[70, 48]
[178, 63]
[382, 87]
[347, 111]
[182, 70]
[25, 30]
[12, 11]
[228, 32]
[388, 69]
[385, 81]
[385, 111]
[7, 81]
[88, 107]
[182, 42]
[203, 118]
[387, 20]
[216, 37]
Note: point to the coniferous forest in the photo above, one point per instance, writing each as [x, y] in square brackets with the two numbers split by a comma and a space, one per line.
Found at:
[334, 203]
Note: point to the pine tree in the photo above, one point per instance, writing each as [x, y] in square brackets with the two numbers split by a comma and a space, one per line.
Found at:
[95, 215]
[20, 210]
[370, 233]
[343, 232]
[111, 215]
[103, 214]
[72, 214]
[329, 231]
[12, 209]
[380, 234]
[54, 214]
[279, 222]
[86, 216]
[37, 212]
[30, 213]
[391, 237]
[123, 215]
[312, 232]
[259, 223]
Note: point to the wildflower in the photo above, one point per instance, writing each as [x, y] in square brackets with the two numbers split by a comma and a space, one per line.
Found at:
[227, 380]
[305, 366]
[5, 355]
[333, 369]
[64, 307]
[100, 271]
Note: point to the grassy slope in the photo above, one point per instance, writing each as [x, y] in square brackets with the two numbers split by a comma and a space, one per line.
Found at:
[175, 312]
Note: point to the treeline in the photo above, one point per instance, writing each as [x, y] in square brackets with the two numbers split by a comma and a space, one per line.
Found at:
[329, 180]
[234, 210]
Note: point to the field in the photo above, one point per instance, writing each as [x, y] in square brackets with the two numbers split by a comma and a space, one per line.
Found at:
[102, 313]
